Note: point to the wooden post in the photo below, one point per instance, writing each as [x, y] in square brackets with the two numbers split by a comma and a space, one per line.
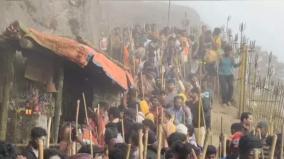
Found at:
[8, 80]
[58, 102]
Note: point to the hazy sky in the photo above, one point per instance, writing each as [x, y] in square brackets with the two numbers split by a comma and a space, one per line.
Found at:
[264, 19]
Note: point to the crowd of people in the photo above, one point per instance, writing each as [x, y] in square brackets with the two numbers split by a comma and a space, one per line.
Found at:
[168, 113]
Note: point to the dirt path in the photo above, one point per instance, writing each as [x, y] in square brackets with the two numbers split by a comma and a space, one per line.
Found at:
[229, 115]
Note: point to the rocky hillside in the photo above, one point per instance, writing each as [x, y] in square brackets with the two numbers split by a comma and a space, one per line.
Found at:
[86, 18]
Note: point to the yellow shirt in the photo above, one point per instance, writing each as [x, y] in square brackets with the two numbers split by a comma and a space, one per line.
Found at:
[217, 42]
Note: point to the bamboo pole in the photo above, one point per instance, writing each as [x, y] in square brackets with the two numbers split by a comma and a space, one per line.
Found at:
[87, 119]
[206, 143]
[77, 119]
[85, 107]
[58, 102]
[224, 146]
[271, 154]
[199, 121]
[146, 142]
[128, 151]
[140, 144]
[142, 84]
[91, 143]
[256, 155]
[193, 154]
[159, 142]
[282, 143]
[70, 143]
[40, 149]
[122, 128]
[74, 148]
[48, 132]
[137, 112]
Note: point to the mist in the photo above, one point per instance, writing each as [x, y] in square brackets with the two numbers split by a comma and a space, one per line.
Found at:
[264, 20]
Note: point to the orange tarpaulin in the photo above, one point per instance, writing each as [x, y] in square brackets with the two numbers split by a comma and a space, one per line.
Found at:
[113, 71]
[67, 48]
[80, 54]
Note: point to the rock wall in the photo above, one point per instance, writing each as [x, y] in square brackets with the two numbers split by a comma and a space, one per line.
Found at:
[86, 18]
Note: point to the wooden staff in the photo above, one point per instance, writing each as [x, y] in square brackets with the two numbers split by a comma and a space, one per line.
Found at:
[221, 143]
[107, 151]
[77, 119]
[142, 84]
[256, 155]
[199, 121]
[91, 143]
[159, 142]
[128, 151]
[146, 142]
[137, 111]
[282, 142]
[224, 146]
[98, 111]
[193, 154]
[206, 143]
[271, 154]
[40, 149]
[70, 144]
[74, 148]
[140, 144]
[122, 127]
[48, 132]
[85, 106]
[86, 113]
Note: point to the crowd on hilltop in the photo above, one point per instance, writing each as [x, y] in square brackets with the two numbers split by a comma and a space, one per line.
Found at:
[168, 113]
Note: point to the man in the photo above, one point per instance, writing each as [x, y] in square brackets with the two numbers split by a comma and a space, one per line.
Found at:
[226, 75]
[116, 44]
[211, 152]
[171, 93]
[207, 102]
[262, 134]
[246, 121]
[8, 151]
[178, 112]
[198, 121]
[119, 151]
[37, 134]
[233, 141]
[249, 147]
[114, 116]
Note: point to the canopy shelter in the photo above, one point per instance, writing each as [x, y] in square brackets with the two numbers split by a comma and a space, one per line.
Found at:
[71, 66]
[68, 49]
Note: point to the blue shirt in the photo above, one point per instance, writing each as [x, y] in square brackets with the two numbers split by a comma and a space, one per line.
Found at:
[226, 66]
